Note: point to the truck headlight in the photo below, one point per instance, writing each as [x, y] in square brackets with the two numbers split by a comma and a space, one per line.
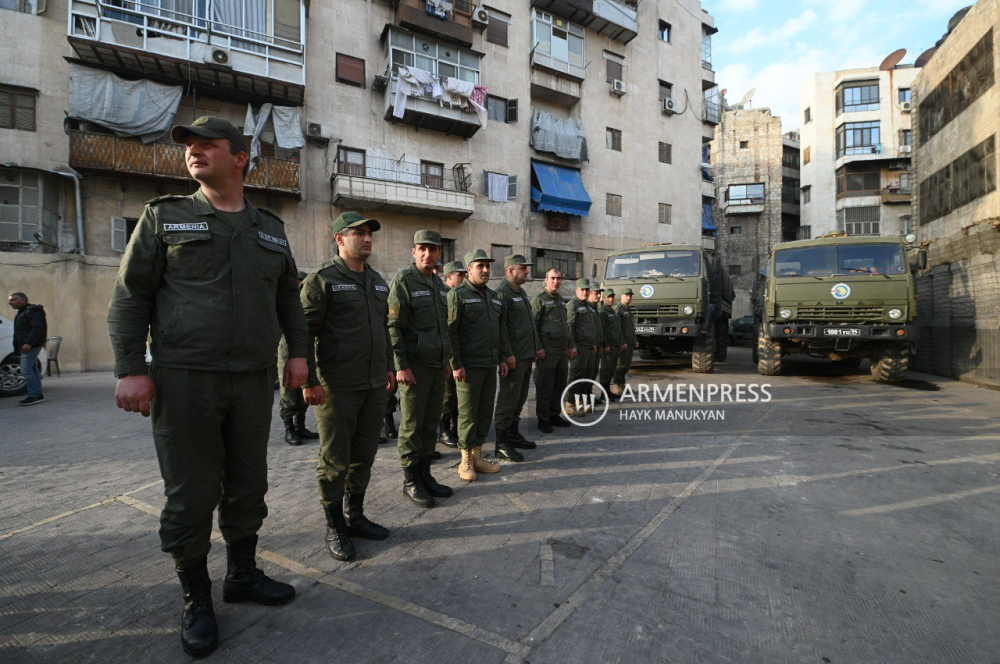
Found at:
[895, 314]
[688, 310]
[785, 313]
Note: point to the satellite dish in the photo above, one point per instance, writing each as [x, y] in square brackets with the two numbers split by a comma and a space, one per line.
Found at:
[746, 98]
[892, 60]
[925, 57]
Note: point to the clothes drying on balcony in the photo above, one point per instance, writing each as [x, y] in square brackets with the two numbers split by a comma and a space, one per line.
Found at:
[128, 108]
[458, 92]
[440, 8]
[414, 82]
[565, 138]
[497, 187]
[287, 125]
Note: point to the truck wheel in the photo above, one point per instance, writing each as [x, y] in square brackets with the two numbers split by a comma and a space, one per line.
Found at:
[891, 362]
[768, 356]
[645, 354]
[703, 351]
[849, 363]
[721, 340]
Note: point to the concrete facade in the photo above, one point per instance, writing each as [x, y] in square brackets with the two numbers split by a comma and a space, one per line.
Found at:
[354, 117]
[883, 197]
[957, 203]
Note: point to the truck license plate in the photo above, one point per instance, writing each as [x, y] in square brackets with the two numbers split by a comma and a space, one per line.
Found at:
[646, 329]
[842, 332]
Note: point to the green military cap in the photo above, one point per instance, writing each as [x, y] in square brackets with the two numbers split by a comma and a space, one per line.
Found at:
[627, 291]
[516, 259]
[597, 288]
[609, 293]
[352, 220]
[425, 236]
[583, 283]
[477, 255]
[209, 126]
[454, 266]
[302, 275]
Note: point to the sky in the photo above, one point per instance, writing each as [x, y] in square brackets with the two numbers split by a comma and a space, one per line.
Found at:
[775, 46]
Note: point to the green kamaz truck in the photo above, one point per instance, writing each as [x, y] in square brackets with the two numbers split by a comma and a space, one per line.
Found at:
[840, 297]
[682, 301]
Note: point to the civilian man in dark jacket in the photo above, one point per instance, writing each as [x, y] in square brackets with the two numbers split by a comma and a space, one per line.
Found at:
[30, 333]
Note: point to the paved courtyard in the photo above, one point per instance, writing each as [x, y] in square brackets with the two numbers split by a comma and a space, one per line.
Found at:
[841, 521]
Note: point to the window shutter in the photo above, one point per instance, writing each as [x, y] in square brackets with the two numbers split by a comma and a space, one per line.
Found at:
[119, 234]
[496, 31]
[24, 112]
[350, 70]
[486, 182]
[511, 111]
[511, 186]
[614, 71]
[6, 109]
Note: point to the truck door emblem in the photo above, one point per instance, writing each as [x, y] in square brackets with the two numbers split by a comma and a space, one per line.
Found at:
[841, 291]
[646, 291]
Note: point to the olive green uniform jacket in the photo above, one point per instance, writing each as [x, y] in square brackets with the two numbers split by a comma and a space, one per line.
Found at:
[477, 326]
[522, 334]
[418, 320]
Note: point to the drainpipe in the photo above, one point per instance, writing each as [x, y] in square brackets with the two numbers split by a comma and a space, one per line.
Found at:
[81, 243]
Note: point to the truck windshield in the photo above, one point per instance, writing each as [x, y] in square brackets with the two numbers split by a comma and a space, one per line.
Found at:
[826, 261]
[650, 265]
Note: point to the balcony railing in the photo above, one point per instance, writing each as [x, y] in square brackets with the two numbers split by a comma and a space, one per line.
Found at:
[433, 176]
[129, 157]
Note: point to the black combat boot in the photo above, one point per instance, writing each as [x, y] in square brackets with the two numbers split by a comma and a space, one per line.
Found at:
[292, 436]
[504, 449]
[300, 428]
[558, 421]
[447, 437]
[435, 455]
[517, 440]
[544, 426]
[338, 543]
[245, 582]
[431, 484]
[413, 486]
[358, 525]
[199, 631]
[390, 427]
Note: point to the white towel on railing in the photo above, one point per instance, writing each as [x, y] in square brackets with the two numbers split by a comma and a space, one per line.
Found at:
[497, 185]
[413, 82]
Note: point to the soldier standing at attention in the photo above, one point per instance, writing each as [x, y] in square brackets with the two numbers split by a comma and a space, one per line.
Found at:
[454, 274]
[583, 324]
[346, 308]
[557, 343]
[628, 338]
[525, 347]
[292, 405]
[418, 328]
[602, 347]
[211, 279]
[614, 339]
[478, 347]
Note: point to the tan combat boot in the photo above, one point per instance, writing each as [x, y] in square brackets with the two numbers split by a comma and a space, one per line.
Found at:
[570, 408]
[617, 389]
[465, 469]
[480, 464]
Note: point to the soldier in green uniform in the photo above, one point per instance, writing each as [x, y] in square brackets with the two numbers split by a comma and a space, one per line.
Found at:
[525, 348]
[628, 338]
[602, 347]
[291, 405]
[613, 338]
[584, 327]
[418, 327]
[346, 308]
[454, 274]
[478, 347]
[558, 346]
[211, 279]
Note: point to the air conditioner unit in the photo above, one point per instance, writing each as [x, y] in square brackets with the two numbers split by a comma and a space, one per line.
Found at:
[218, 56]
[905, 106]
[315, 133]
[905, 149]
[668, 106]
[481, 17]
[618, 88]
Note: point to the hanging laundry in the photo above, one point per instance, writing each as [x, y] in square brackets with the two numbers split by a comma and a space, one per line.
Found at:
[413, 82]
[458, 92]
[479, 94]
[497, 187]
[442, 9]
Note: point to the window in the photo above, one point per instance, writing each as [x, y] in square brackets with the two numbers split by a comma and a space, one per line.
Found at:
[735, 270]
[501, 110]
[804, 233]
[447, 250]
[351, 162]
[350, 70]
[858, 138]
[903, 95]
[496, 31]
[615, 66]
[498, 252]
[789, 190]
[439, 59]
[613, 139]
[863, 179]
[905, 224]
[121, 232]
[736, 230]
[666, 153]
[29, 207]
[663, 32]
[666, 211]
[613, 206]
[666, 90]
[906, 181]
[970, 176]
[570, 263]
[745, 194]
[806, 156]
[17, 108]
[807, 116]
[790, 158]
[905, 137]
[966, 83]
[23, 6]
[432, 174]
[860, 220]
[806, 194]
[857, 96]
[706, 49]
[744, 145]
[557, 38]
[511, 184]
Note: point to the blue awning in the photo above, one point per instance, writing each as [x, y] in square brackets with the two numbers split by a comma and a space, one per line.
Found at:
[706, 218]
[561, 190]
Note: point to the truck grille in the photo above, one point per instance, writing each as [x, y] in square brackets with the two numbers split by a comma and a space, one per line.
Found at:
[654, 310]
[839, 313]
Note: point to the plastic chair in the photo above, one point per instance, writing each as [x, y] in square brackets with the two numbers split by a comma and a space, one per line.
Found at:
[52, 352]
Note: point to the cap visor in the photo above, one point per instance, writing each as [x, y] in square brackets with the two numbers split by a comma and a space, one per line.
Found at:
[372, 224]
[179, 133]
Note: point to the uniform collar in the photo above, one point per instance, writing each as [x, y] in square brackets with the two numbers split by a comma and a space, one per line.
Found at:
[203, 208]
[348, 272]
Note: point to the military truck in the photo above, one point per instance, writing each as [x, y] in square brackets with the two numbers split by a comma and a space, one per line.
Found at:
[840, 297]
[682, 300]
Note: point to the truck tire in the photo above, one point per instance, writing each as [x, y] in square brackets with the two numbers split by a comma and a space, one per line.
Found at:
[891, 362]
[703, 351]
[721, 339]
[768, 356]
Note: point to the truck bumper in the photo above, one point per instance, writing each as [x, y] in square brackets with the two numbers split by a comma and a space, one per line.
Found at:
[671, 328]
[865, 331]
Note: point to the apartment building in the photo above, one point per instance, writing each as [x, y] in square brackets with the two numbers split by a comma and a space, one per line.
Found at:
[562, 129]
[957, 208]
[856, 149]
[757, 187]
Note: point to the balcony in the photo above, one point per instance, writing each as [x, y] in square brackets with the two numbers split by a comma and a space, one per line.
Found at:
[753, 205]
[711, 112]
[456, 28]
[236, 63]
[430, 113]
[896, 194]
[114, 156]
[616, 19]
[407, 187]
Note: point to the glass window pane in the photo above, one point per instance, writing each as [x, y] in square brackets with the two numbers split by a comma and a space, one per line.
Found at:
[402, 39]
[10, 195]
[543, 36]
[470, 60]
[559, 46]
[425, 63]
[445, 69]
[448, 53]
[426, 47]
[467, 75]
